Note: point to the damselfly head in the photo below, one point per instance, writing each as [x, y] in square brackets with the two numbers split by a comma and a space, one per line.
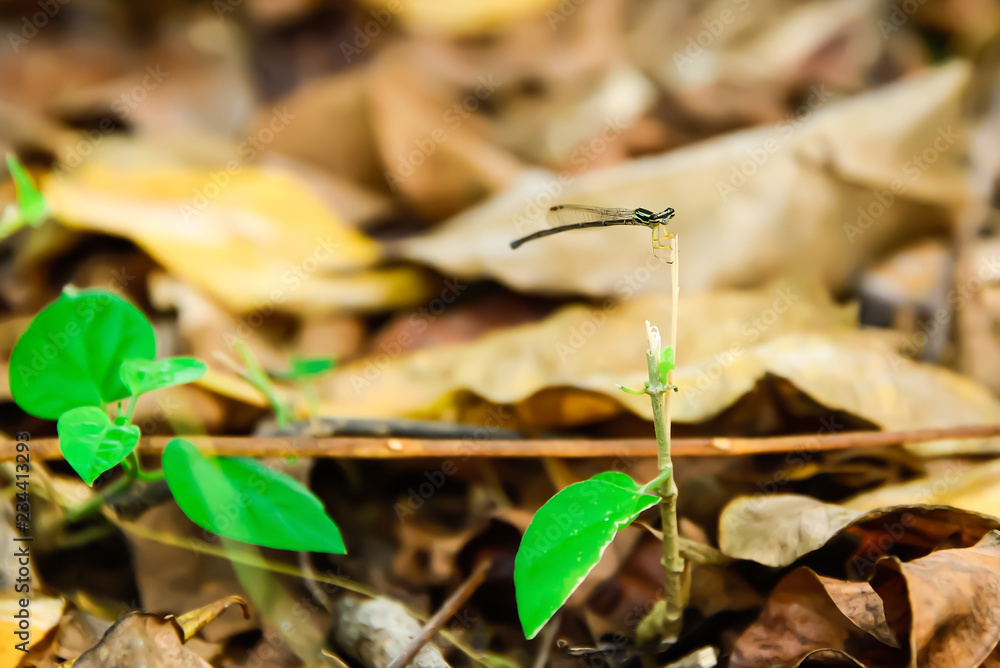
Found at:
[665, 215]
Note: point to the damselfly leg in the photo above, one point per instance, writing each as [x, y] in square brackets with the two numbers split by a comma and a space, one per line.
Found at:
[661, 241]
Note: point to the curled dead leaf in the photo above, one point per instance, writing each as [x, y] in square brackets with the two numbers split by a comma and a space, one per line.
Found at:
[776, 530]
[808, 612]
[939, 610]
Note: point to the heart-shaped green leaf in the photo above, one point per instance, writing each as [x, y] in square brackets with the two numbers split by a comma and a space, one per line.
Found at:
[91, 443]
[242, 499]
[140, 375]
[566, 539]
[70, 354]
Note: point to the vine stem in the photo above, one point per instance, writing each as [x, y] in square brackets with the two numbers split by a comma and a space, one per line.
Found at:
[664, 620]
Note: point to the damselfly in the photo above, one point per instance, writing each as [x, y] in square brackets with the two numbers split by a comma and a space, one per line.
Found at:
[578, 217]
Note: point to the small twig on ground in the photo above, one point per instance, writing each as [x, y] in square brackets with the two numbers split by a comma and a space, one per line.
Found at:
[447, 611]
[47, 449]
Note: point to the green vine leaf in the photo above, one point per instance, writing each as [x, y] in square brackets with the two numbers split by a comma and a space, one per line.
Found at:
[566, 539]
[142, 375]
[70, 354]
[242, 499]
[91, 443]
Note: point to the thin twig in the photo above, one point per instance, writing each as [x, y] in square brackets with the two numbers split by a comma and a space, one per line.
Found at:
[186, 543]
[447, 611]
[47, 449]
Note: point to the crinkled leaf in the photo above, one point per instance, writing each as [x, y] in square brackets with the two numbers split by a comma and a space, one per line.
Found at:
[91, 443]
[143, 375]
[70, 354]
[242, 499]
[566, 539]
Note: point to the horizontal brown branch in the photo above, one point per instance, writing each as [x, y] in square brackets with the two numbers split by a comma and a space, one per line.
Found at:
[404, 448]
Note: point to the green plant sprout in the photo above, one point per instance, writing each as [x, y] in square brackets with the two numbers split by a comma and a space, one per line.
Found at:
[88, 352]
[568, 535]
[304, 372]
[31, 207]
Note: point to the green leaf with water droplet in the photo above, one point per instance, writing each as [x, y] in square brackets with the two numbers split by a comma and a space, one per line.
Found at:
[566, 539]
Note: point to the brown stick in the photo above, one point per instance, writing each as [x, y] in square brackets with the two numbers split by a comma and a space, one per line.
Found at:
[450, 607]
[409, 448]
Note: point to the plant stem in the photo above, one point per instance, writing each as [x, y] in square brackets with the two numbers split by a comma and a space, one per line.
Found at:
[133, 469]
[131, 408]
[94, 505]
[664, 620]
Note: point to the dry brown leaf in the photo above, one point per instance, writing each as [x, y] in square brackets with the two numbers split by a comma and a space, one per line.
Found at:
[322, 109]
[954, 602]
[956, 483]
[570, 126]
[140, 639]
[796, 212]
[195, 80]
[808, 612]
[433, 149]
[942, 608]
[582, 353]
[742, 60]
[194, 621]
[777, 529]
[858, 373]
[174, 578]
[564, 369]
[208, 227]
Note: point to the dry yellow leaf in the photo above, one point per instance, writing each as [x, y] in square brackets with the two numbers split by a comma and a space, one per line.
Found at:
[955, 483]
[43, 615]
[255, 239]
[455, 17]
[859, 373]
[817, 196]
[563, 370]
